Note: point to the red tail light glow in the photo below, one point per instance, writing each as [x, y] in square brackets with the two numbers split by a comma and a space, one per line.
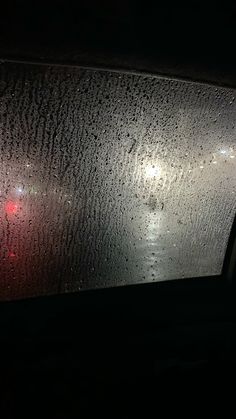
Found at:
[11, 208]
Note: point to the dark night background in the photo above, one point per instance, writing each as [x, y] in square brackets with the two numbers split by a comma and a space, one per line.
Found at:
[194, 40]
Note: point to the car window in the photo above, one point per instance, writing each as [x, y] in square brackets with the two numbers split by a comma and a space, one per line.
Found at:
[111, 179]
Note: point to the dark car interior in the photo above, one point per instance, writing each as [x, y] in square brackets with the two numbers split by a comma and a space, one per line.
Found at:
[82, 335]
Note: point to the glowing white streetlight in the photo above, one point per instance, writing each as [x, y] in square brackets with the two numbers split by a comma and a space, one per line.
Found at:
[152, 171]
[19, 190]
[223, 151]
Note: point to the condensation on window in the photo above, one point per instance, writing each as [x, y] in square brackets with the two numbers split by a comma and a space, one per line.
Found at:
[111, 179]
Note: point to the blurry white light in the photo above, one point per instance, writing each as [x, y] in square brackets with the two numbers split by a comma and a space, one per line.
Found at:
[223, 151]
[214, 162]
[232, 156]
[152, 171]
[27, 165]
[19, 190]
[201, 167]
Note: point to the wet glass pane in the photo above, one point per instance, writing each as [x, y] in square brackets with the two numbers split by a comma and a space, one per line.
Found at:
[110, 179]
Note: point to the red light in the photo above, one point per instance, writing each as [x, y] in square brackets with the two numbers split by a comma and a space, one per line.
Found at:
[11, 208]
[12, 255]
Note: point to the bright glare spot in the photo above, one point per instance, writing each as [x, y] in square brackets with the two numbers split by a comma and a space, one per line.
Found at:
[214, 162]
[11, 207]
[19, 190]
[27, 165]
[201, 167]
[226, 152]
[232, 156]
[152, 171]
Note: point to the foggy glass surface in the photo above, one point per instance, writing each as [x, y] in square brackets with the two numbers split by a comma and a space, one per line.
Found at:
[110, 179]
